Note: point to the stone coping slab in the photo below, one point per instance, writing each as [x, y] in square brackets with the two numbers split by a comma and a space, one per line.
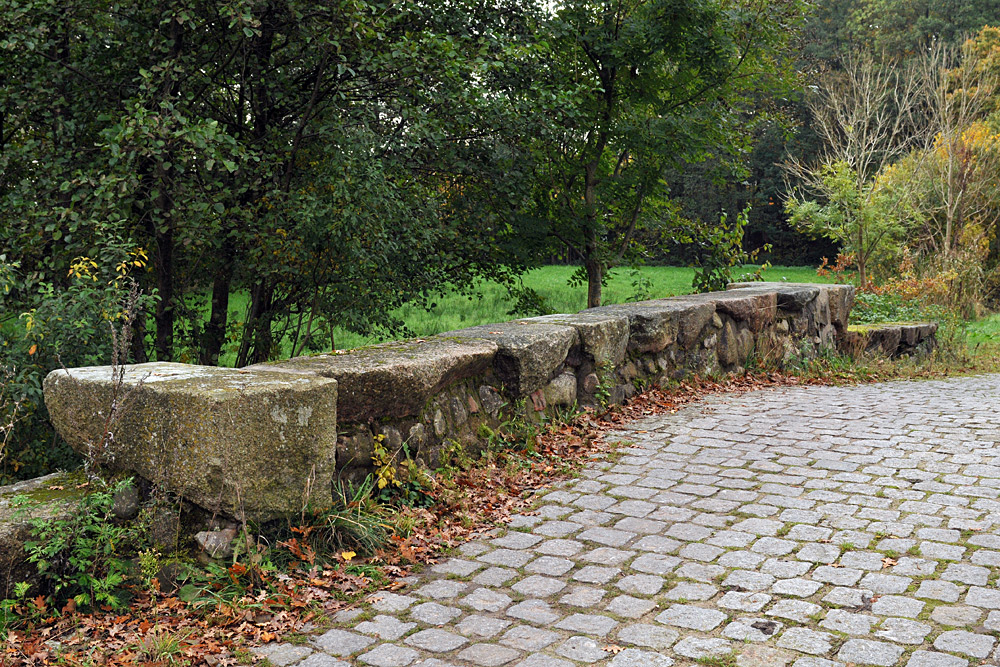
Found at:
[241, 442]
[394, 379]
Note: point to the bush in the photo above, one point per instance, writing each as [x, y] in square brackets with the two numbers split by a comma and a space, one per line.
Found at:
[720, 249]
[873, 307]
[84, 557]
[52, 326]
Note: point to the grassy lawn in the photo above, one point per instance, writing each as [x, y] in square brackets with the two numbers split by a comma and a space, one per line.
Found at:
[454, 311]
[985, 330]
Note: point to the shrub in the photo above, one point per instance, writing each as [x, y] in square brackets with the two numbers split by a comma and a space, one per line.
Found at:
[52, 326]
[720, 249]
[84, 557]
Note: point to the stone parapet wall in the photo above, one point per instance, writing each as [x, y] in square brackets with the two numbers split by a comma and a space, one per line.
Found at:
[266, 438]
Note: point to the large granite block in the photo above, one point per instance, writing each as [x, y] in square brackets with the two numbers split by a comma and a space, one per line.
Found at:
[529, 354]
[238, 441]
[394, 379]
[604, 335]
[655, 324]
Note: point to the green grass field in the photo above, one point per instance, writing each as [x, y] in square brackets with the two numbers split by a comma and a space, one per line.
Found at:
[985, 330]
[453, 311]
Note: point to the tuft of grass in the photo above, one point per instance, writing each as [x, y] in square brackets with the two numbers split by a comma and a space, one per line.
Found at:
[163, 647]
[726, 660]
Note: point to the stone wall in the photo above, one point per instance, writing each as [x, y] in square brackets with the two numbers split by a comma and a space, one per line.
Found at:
[264, 439]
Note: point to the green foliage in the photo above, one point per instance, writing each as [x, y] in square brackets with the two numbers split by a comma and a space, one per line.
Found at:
[871, 307]
[861, 216]
[720, 251]
[51, 325]
[333, 161]
[85, 556]
[650, 86]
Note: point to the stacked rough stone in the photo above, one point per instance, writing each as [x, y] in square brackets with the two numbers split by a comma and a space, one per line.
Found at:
[265, 439]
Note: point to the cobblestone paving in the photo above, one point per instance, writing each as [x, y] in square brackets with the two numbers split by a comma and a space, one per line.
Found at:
[811, 527]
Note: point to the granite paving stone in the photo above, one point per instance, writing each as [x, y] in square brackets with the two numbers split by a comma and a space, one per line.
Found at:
[644, 634]
[583, 596]
[340, 643]
[632, 657]
[488, 655]
[538, 586]
[389, 655]
[384, 627]
[939, 590]
[698, 648]
[640, 584]
[482, 626]
[897, 605]
[752, 629]
[534, 611]
[961, 641]
[956, 615]
[805, 640]
[691, 617]
[904, 631]
[528, 638]
[933, 659]
[582, 649]
[281, 655]
[432, 613]
[437, 640]
[592, 624]
[630, 607]
[868, 652]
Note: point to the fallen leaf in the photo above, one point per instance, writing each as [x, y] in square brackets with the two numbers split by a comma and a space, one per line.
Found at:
[888, 562]
[613, 649]
[347, 555]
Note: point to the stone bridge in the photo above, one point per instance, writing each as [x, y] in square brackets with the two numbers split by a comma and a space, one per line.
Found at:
[263, 440]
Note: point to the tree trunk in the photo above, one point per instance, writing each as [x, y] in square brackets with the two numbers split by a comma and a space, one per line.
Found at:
[139, 338]
[594, 277]
[164, 228]
[591, 259]
[164, 262]
[256, 345]
[215, 329]
[862, 260]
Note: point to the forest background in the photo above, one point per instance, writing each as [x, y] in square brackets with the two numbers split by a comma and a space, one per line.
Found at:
[280, 177]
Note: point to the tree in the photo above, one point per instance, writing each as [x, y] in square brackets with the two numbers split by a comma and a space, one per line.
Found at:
[329, 162]
[956, 177]
[866, 120]
[859, 215]
[656, 84]
[908, 28]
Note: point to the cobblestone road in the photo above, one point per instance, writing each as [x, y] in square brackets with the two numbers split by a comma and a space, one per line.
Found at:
[809, 527]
